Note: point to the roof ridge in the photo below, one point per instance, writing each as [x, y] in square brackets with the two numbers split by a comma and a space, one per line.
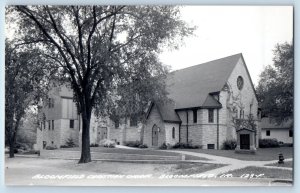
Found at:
[206, 62]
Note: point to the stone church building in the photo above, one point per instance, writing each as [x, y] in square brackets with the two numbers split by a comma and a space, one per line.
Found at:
[204, 100]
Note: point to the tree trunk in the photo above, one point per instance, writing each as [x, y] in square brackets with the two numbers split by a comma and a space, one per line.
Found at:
[85, 145]
[13, 138]
[11, 149]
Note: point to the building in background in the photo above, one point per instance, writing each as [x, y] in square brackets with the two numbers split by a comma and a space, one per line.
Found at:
[59, 122]
[282, 132]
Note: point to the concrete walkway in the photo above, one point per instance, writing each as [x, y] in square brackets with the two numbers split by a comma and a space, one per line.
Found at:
[231, 163]
[125, 147]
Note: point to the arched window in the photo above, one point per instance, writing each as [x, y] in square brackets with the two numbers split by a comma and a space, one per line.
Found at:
[173, 132]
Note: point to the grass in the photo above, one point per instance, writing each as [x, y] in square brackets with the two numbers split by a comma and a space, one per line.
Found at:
[287, 164]
[136, 151]
[194, 168]
[262, 154]
[268, 173]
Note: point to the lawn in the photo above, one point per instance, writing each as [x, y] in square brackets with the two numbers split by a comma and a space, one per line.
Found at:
[268, 173]
[287, 164]
[136, 152]
[194, 168]
[262, 154]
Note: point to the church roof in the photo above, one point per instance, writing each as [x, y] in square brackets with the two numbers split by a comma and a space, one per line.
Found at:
[192, 87]
[167, 112]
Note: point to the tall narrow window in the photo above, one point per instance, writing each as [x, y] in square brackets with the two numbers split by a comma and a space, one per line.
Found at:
[52, 124]
[117, 123]
[210, 115]
[72, 124]
[133, 121]
[173, 132]
[44, 123]
[195, 115]
[49, 125]
[291, 134]
[50, 102]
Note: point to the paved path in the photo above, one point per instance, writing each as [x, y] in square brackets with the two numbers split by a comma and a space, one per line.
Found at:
[231, 163]
[125, 147]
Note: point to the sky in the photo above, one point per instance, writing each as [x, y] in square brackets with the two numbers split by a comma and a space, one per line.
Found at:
[226, 30]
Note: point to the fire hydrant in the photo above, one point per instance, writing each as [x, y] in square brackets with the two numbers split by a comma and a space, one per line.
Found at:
[280, 158]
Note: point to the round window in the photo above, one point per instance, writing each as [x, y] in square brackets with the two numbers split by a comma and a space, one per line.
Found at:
[240, 83]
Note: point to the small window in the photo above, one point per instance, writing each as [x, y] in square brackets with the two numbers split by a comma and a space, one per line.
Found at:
[210, 146]
[210, 115]
[291, 133]
[117, 123]
[50, 102]
[49, 125]
[173, 132]
[240, 114]
[268, 132]
[195, 115]
[52, 124]
[133, 121]
[72, 124]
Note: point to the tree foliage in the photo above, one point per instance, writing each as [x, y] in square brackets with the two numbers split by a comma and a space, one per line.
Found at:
[275, 90]
[25, 82]
[109, 54]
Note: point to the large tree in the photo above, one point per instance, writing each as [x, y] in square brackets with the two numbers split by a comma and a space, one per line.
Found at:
[101, 49]
[275, 90]
[25, 82]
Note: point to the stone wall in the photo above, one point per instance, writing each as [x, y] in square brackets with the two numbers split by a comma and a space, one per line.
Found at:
[168, 129]
[154, 118]
[66, 132]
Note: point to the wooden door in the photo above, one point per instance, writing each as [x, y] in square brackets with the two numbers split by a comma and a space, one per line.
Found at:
[245, 141]
[101, 134]
[155, 136]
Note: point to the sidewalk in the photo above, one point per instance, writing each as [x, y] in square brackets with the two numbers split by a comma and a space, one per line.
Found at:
[231, 163]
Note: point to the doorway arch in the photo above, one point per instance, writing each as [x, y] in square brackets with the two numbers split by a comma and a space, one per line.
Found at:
[155, 135]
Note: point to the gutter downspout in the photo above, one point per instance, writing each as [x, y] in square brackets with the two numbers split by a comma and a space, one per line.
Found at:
[179, 133]
[218, 129]
[187, 126]
[218, 132]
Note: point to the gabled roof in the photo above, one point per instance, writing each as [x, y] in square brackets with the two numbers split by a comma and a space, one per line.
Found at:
[269, 123]
[166, 111]
[191, 87]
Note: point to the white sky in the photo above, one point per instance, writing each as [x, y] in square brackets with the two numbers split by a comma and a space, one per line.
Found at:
[227, 30]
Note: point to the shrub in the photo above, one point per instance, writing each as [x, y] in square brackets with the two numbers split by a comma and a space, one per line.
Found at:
[108, 143]
[163, 146]
[229, 144]
[94, 145]
[133, 143]
[50, 147]
[22, 146]
[266, 143]
[181, 145]
[142, 146]
[70, 142]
